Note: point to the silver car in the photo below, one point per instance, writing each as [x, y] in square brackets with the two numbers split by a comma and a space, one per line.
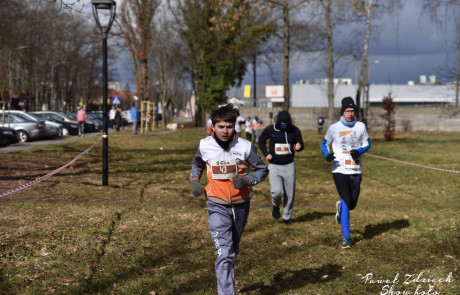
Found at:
[27, 129]
[53, 129]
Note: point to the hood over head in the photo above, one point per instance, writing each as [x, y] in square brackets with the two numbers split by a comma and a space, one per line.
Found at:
[283, 117]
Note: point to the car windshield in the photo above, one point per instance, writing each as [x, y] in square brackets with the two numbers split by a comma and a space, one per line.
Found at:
[35, 117]
[40, 116]
[93, 116]
[68, 115]
[97, 115]
[23, 117]
[53, 116]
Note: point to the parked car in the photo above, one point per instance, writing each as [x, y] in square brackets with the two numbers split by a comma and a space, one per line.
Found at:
[96, 120]
[127, 116]
[27, 129]
[99, 114]
[90, 127]
[68, 128]
[53, 129]
[8, 136]
[68, 117]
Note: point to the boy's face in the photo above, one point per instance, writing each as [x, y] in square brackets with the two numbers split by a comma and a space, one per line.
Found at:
[349, 114]
[223, 130]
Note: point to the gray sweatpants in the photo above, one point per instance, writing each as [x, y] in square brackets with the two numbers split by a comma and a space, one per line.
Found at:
[282, 183]
[226, 224]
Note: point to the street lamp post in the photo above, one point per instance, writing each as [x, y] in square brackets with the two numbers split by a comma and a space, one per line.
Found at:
[104, 12]
[52, 83]
[10, 62]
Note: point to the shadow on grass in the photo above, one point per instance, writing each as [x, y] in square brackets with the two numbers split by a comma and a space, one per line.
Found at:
[96, 283]
[312, 216]
[5, 284]
[373, 230]
[291, 280]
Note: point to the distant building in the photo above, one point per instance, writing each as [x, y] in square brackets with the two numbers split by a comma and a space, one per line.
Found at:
[316, 95]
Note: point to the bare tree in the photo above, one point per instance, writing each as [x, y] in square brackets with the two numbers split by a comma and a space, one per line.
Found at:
[168, 64]
[70, 5]
[47, 36]
[389, 106]
[136, 25]
[443, 11]
[287, 7]
[369, 10]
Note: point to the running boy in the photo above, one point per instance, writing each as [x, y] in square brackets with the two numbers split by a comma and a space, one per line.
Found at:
[227, 159]
[349, 141]
[284, 139]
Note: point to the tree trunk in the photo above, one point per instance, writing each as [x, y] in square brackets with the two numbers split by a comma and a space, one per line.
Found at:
[286, 50]
[364, 75]
[254, 83]
[330, 54]
[457, 84]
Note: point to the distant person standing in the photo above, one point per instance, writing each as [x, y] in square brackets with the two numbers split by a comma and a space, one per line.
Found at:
[118, 119]
[320, 124]
[256, 125]
[134, 119]
[209, 127]
[349, 140]
[112, 114]
[284, 139]
[82, 120]
[248, 128]
[239, 121]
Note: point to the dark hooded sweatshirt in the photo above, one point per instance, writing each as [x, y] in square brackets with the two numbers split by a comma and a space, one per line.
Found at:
[275, 135]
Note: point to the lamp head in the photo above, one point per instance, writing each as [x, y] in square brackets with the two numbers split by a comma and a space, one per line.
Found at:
[104, 12]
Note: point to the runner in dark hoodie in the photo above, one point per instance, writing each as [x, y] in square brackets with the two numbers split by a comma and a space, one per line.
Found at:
[284, 139]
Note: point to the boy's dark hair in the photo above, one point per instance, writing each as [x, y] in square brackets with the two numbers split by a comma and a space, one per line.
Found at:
[226, 113]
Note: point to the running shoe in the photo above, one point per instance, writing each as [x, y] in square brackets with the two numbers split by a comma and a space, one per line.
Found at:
[286, 221]
[276, 212]
[346, 243]
[338, 215]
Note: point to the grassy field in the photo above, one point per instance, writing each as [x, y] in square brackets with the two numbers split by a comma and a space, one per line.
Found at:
[146, 234]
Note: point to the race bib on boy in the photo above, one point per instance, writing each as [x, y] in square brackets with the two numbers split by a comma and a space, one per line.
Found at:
[223, 169]
[349, 162]
[282, 149]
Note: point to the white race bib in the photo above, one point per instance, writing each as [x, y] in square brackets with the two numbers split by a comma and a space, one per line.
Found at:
[282, 149]
[223, 169]
[349, 162]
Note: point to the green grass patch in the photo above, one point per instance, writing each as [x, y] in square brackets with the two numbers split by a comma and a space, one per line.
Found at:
[146, 234]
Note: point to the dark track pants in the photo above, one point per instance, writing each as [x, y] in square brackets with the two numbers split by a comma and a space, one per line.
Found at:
[348, 187]
[226, 224]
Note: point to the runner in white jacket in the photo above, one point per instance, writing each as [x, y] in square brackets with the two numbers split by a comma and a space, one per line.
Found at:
[228, 160]
[349, 141]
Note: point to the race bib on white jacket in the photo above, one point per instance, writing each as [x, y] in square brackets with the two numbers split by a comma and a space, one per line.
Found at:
[223, 169]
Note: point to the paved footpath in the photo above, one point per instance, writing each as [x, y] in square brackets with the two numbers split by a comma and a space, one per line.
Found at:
[33, 144]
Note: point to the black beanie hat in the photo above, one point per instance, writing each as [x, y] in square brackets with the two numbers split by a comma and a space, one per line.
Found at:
[347, 103]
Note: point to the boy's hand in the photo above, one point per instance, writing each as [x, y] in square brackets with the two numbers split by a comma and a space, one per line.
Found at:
[355, 154]
[330, 157]
[197, 188]
[240, 182]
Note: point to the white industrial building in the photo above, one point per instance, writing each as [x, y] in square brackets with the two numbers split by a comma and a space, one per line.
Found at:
[315, 95]
[305, 94]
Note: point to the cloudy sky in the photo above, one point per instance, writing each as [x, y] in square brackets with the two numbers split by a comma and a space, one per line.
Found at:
[407, 45]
